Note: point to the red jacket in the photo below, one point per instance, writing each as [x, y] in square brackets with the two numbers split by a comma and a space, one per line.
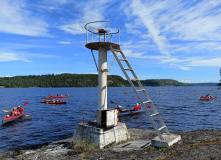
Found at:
[21, 110]
[137, 108]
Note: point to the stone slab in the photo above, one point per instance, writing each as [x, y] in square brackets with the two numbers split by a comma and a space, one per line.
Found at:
[132, 145]
[169, 140]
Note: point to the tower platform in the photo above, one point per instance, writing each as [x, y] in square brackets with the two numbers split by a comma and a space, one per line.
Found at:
[97, 45]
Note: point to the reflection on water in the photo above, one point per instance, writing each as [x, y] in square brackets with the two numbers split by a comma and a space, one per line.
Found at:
[179, 107]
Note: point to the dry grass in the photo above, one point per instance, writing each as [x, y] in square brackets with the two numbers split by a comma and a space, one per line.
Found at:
[192, 146]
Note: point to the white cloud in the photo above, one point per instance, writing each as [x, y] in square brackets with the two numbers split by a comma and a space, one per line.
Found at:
[15, 19]
[186, 81]
[185, 68]
[179, 29]
[89, 11]
[213, 62]
[6, 76]
[198, 21]
[171, 19]
[146, 18]
[11, 57]
[63, 42]
[21, 56]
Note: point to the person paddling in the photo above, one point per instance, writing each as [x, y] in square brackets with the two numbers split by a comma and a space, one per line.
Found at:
[20, 110]
[14, 111]
[119, 108]
[137, 107]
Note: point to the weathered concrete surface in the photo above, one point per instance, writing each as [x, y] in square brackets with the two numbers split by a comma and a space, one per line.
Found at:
[200, 144]
[132, 145]
[100, 137]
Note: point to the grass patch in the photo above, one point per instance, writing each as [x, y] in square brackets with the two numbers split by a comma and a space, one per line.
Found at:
[170, 156]
[82, 147]
[150, 148]
[192, 146]
[204, 143]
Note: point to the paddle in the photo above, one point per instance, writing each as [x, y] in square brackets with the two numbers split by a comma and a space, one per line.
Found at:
[25, 103]
[27, 116]
[131, 112]
[112, 102]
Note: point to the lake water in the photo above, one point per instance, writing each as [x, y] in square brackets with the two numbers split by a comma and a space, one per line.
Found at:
[179, 107]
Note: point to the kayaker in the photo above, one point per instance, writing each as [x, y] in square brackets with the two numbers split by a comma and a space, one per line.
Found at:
[137, 107]
[14, 111]
[20, 110]
[119, 108]
[202, 96]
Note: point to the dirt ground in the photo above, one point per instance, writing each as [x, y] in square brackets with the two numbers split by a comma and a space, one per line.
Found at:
[197, 145]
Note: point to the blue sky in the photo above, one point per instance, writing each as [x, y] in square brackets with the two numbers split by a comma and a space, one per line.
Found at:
[177, 39]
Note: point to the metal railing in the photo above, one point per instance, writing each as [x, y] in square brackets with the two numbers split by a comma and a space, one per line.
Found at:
[106, 33]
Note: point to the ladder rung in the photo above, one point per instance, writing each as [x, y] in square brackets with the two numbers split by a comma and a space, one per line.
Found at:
[140, 90]
[134, 79]
[123, 59]
[154, 114]
[162, 128]
[117, 50]
[146, 101]
[128, 69]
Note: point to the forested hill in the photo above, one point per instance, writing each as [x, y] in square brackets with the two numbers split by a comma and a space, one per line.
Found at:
[163, 82]
[74, 80]
[61, 80]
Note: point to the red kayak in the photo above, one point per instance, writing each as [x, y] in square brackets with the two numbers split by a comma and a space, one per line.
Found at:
[12, 118]
[54, 102]
[207, 98]
[50, 96]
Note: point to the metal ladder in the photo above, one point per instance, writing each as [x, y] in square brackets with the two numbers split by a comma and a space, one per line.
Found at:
[158, 126]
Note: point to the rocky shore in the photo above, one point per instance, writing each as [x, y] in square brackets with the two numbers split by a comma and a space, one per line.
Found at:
[199, 144]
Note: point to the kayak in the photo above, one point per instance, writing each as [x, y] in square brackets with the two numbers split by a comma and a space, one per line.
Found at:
[207, 98]
[67, 96]
[12, 118]
[54, 102]
[130, 112]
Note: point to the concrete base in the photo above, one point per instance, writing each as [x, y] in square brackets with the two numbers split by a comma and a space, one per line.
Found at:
[100, 137]
[169, 140]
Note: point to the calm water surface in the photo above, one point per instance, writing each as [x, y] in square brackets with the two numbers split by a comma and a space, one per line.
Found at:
[179, 107]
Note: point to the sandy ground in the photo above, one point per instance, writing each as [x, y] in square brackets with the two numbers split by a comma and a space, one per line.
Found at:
[197, 145]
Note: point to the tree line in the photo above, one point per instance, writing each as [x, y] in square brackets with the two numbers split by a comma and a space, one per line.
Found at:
[61, 80]
[75, 80]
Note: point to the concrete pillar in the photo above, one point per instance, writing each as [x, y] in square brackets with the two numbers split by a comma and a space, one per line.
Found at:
[102, 79]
